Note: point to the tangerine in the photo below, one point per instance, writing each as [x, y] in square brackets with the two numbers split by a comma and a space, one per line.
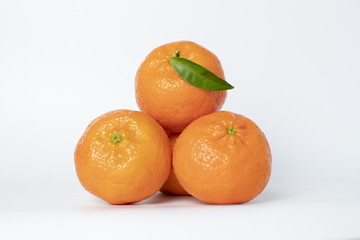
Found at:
[172, 185]
[222, 158]
[169, 99]
[123, 157]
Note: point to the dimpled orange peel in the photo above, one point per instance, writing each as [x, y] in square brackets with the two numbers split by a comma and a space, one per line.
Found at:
[222, 158]
[172, 185]
[123, 157]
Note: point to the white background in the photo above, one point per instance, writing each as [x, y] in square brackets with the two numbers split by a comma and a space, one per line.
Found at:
[296, 71]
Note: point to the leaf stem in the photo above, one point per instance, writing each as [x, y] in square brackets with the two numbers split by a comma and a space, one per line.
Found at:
[177, 53]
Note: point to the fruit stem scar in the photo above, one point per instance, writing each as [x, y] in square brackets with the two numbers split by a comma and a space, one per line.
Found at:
[231, 130]
[116, 138]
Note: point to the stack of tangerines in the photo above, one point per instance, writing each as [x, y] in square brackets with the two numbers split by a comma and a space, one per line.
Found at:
[180, 143]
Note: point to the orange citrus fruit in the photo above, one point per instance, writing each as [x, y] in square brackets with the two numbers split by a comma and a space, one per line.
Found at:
[172, 185]
[222, 158]
[169, 99]
[123, 157]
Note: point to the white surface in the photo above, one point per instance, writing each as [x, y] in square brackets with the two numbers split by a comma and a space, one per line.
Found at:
[310, 214]
[295, 68]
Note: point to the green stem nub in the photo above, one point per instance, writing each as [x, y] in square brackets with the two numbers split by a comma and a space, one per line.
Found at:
[231, 130]
[116, 138]
[177, 53]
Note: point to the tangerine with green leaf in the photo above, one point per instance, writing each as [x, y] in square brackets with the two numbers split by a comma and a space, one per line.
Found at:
[169, 98]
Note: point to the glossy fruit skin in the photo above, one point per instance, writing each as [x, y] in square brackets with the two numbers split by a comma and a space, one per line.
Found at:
[169, 99]
[130, 170]
[222, 168]
[172, 185]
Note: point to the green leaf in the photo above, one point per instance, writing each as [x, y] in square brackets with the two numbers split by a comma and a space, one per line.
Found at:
[198, 76]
